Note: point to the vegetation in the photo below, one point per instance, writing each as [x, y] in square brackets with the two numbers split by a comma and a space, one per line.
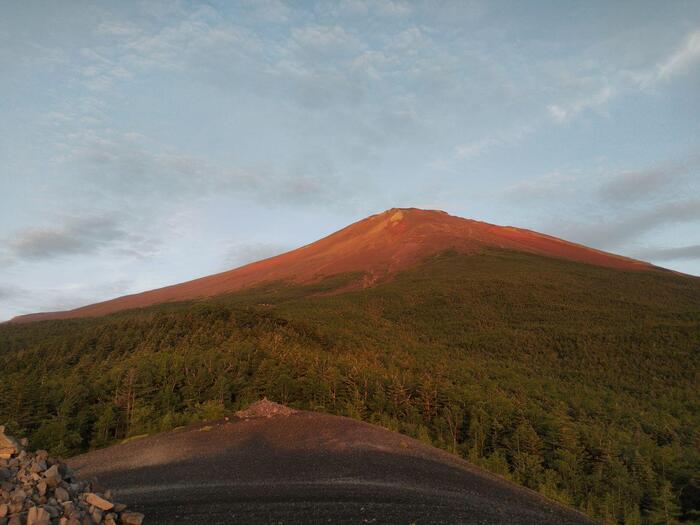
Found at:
[577, 381]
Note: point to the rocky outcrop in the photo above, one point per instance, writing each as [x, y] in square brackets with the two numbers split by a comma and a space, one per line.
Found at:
[264, 408]
[37, 489]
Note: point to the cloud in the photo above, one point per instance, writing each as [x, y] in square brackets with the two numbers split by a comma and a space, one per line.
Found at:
[552, 185]
[469, 150]
[388, 8]
[632, 185]
[592, 102]
[8, 291]
[243, 253]
[687, 55]
[603, 84]
[65, 297]
[670, 254]
[131, 167]
[76, 236]
[325, 40]
[612, 233]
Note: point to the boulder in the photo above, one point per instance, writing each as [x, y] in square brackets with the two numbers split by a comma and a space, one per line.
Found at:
[99, 502]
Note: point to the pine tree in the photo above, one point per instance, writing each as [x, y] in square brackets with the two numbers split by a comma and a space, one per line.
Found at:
[665, 510]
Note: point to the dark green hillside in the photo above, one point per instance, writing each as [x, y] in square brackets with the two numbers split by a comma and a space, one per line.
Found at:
[580, 382]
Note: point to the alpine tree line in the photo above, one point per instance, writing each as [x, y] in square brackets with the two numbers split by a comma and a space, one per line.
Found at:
[578, 382]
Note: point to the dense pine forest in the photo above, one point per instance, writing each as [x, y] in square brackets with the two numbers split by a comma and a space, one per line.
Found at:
[576, 381]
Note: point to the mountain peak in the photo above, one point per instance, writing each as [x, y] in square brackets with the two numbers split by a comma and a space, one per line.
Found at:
[379, 246]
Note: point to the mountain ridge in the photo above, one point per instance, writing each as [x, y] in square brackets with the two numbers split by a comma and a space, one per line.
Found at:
[378, 246]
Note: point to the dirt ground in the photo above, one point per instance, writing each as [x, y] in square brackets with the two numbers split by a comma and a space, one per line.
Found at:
[307, 468]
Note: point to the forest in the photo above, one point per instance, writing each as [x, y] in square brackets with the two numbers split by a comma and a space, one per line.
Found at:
[577, 381]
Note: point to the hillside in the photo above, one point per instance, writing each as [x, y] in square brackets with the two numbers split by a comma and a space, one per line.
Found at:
[576, 380]
[375, 248]
[307, 467]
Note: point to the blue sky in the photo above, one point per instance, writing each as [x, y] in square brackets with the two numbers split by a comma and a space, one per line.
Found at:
[147, 143]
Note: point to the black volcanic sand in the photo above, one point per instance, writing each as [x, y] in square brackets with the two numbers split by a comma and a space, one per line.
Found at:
[307, 468]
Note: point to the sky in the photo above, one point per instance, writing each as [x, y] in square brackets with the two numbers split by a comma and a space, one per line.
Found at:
[148, 143]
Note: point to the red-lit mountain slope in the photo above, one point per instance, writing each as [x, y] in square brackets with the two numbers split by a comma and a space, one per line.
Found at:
[378, 246]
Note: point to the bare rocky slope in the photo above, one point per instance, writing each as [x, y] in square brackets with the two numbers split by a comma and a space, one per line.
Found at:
[270, 464]
[377, 248]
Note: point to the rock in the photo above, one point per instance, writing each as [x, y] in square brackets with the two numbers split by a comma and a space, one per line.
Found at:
[38, 516]
[37, 489]
[132, 518]
[8, 444]
[52, 476]
[61, 494]
[53, 510]
[264, 408]
[18, 495]
[99, 502]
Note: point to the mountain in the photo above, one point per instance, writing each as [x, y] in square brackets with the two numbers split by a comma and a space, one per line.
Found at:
[569, 371]
[307, 467]
[377, 247]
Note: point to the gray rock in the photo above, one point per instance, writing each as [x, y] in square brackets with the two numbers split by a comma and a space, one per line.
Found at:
[61, 494]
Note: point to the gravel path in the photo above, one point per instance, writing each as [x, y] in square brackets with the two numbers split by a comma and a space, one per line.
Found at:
[307, 468]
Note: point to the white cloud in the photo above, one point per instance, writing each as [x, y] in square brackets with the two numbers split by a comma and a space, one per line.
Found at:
[388, 8]
[687, 55]
[595, 101]
[239, 254]
[545, 187]
[469, 150]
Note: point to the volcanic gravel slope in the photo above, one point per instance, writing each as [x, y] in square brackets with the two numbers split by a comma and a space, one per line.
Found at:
[307, 468]
[378, 247]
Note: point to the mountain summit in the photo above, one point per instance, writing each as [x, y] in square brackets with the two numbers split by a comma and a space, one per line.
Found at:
[378, 247]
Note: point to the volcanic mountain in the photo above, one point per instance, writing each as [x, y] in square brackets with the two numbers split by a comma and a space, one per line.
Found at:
[377, 248]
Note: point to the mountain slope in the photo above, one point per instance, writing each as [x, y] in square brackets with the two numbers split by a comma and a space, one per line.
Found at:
[308, 467]
[377, 247]
[575, 380]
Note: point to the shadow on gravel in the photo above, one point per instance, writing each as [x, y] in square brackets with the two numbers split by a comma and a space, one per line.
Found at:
[301, 470]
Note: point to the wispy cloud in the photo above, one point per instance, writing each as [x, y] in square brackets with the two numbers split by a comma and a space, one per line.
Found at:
[550, 186]
[512, 136]
[670, 254]
[604, 84]
[57, 298]
[74, 236]
[595, 101]
[130, 166]
[632, 185]
[680, 61]
[239, 254]
[615, 232]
